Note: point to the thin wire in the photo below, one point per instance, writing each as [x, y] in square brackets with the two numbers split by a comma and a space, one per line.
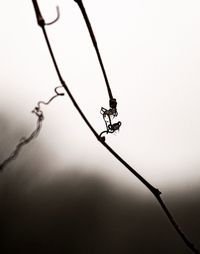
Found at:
[56, 19]
[94, 41]
[22, 142]
[25, 140]
[101, 139]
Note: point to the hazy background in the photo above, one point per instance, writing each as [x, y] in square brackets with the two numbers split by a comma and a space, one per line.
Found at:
[80, 210]
[151, 53]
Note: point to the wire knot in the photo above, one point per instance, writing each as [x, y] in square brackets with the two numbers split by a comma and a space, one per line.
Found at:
[108, 115]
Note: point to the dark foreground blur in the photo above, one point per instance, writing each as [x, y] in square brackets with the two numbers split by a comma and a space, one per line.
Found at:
[83, 214]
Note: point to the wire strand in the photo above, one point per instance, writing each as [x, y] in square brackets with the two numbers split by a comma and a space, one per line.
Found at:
[25, 140]
[101, 139]
[94, 41]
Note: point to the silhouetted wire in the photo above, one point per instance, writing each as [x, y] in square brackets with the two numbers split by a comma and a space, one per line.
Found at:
[56, 19]
[113, 102]
[112, 112]
[101, 139]
[110, 127]
[25, 140]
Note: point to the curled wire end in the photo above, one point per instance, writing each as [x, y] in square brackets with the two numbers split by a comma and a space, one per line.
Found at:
[102, 138]
[56, 19]
[37, 108]
[107, 117]
[114, 127]
[58, 93]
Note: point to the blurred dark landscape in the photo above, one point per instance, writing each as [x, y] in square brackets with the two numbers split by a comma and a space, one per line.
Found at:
[78, 213]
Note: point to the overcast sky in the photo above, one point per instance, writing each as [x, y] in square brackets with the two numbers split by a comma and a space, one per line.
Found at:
[151, 52]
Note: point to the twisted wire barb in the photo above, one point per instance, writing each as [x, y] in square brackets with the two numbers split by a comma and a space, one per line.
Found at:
[107, 116]
[25, 140]
[101, 139]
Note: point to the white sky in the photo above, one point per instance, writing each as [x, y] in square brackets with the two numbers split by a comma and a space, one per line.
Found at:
[151, 52]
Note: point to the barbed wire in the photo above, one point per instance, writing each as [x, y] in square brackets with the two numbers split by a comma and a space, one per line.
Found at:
[25, 140]
[107, 114]
[110, 128]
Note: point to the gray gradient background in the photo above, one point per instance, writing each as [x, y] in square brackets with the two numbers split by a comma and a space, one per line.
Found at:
[65, 188]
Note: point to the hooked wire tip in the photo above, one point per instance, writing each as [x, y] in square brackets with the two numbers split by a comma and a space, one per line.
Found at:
[40, 19]
[56, 19]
